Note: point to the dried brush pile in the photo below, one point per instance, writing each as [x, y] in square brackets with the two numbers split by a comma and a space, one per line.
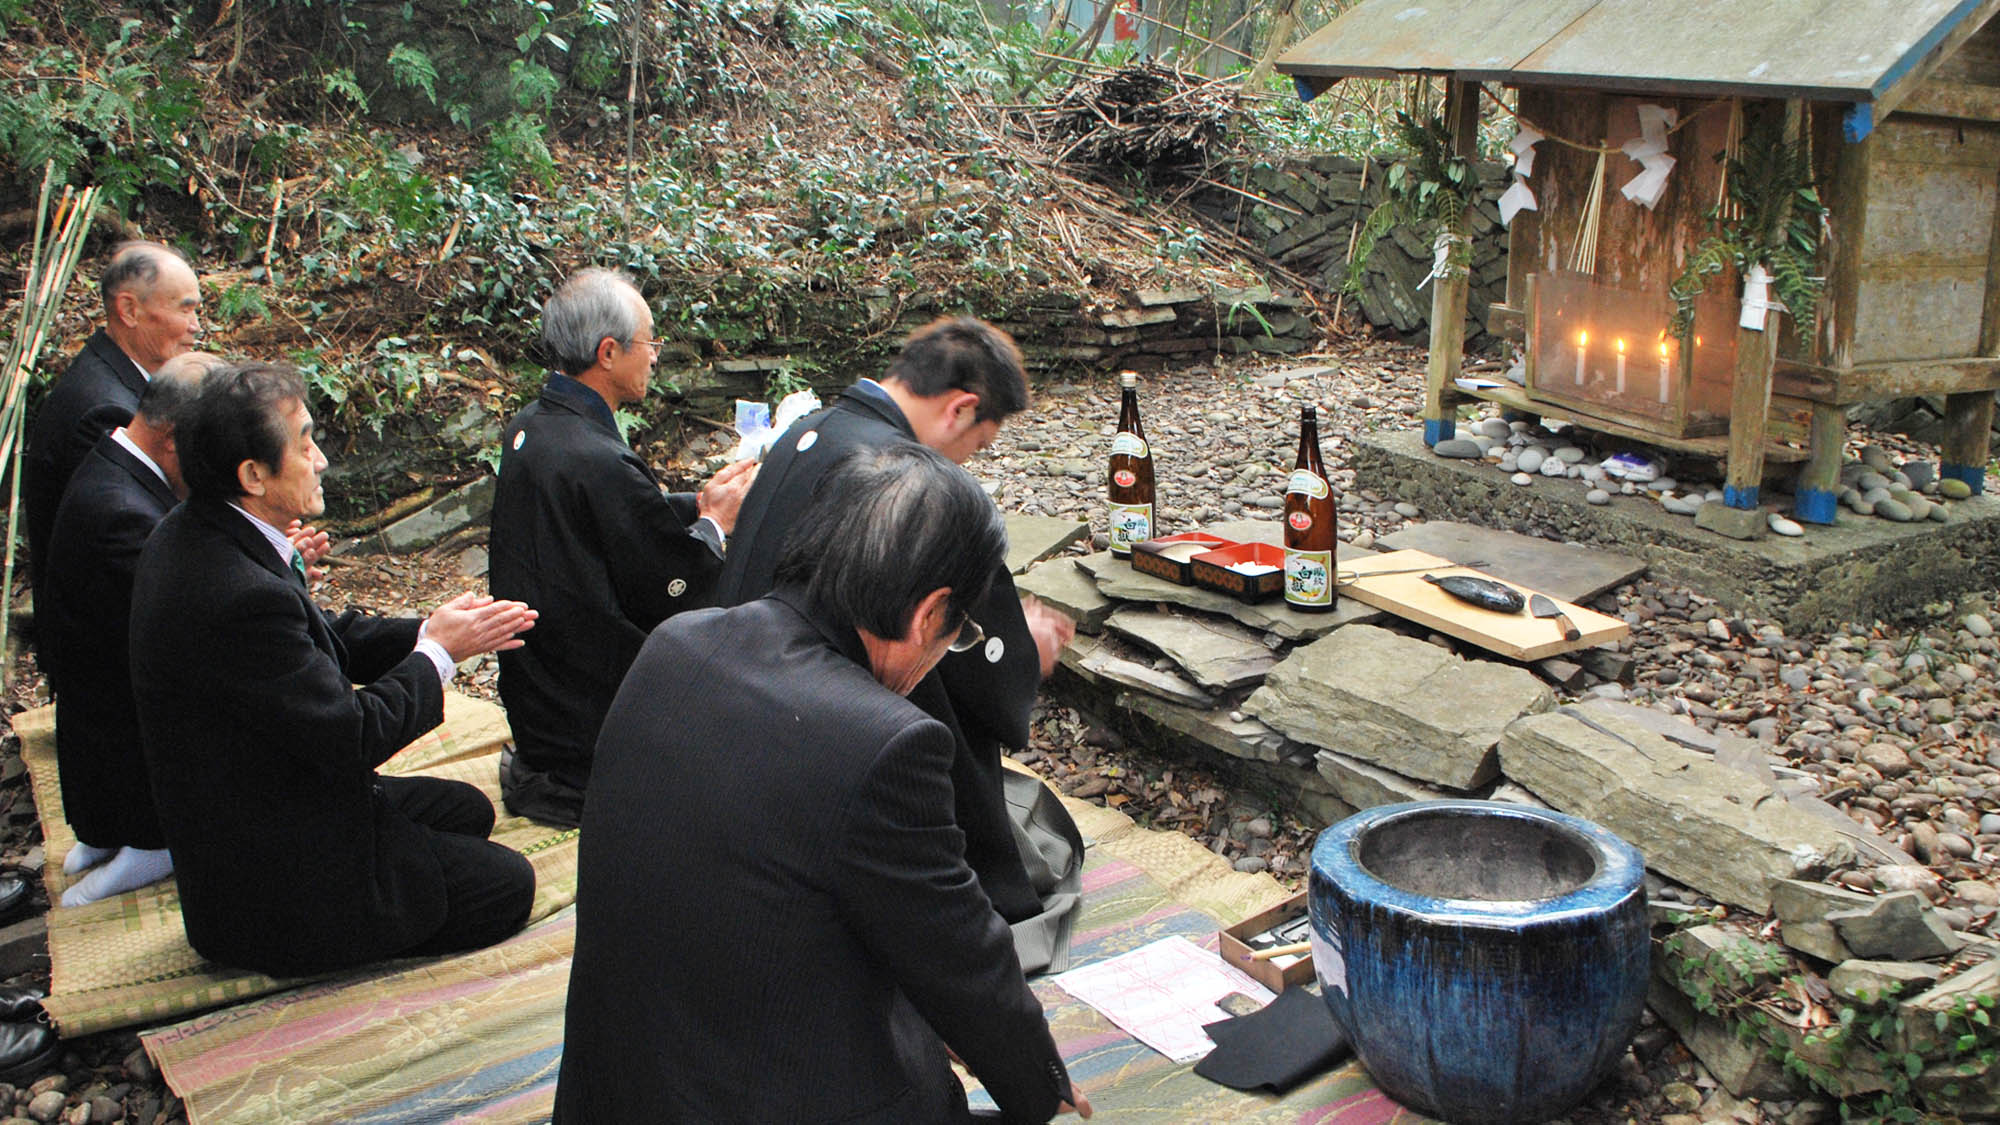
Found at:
[1145, 117]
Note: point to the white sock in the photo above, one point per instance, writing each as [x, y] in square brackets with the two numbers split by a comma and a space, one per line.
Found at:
[130, 868]
[84, 856]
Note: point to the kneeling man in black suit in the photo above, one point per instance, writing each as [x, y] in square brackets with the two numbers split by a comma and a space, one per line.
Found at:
[775, 918]
[292, 855]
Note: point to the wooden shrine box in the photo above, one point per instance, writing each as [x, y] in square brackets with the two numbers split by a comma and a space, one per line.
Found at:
[1897, 103]
[1212, 570]
[1230, 944]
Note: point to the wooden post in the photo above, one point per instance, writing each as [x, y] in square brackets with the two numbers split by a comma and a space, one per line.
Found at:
[1818, 494]
[1448, 293]
[1968, 417]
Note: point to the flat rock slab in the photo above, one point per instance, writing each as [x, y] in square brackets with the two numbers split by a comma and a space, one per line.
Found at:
[1030, 539]
[454, 512]
[1898, 926]
[1565, 571]
[1698, 823]
[1217, 654]
[1063, 585]
[1239, 738]
[1871, 982]
[1365, 786]
[1094, 660]
[1399, 703]
[1116, 579]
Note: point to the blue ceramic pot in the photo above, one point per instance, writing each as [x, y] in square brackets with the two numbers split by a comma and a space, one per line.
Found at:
[1487, 960]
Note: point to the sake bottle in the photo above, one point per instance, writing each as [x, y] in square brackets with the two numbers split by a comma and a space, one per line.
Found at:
[1131, 484]
[1309, 524]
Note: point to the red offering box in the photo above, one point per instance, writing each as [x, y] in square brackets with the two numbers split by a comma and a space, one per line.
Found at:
[1212, 570]
[1151, 556]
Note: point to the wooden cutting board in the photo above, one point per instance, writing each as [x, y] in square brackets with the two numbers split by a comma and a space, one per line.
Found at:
[1517, 636]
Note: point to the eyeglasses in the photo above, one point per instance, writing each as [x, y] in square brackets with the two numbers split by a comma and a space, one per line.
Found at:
[969, 636]
[652, 346]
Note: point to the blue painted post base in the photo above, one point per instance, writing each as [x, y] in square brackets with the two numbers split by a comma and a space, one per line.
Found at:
[1439, 429]
[1744, 498]
[1973, 475]
[1816, 505]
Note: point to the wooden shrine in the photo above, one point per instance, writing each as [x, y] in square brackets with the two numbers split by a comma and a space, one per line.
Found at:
[1896, 101]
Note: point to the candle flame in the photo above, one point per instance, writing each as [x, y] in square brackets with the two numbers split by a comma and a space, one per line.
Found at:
[1582, 339]
[1621, 345]
[1663, 349]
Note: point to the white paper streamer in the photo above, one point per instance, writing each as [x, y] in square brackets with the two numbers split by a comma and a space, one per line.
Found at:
[1440, 256]
[1523, 148]
[1757, 300]
[1514, 200]
[1649, 148]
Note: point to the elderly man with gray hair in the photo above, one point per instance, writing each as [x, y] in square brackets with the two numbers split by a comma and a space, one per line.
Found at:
[583, 532]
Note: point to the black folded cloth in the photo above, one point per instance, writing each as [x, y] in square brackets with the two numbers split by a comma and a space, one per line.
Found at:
[1286, 1042]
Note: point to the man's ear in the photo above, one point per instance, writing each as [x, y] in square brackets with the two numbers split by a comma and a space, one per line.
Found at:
[962, 405]
[607, 350]
[929, 618]
[125, 306]
[250, 477]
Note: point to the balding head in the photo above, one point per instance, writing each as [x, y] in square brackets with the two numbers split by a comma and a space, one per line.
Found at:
[173, 388]
[151, 302]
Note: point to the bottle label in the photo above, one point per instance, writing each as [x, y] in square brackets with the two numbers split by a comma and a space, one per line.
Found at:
[1307, 482]
[1130, 523]
[1300, 521]
[1308, 577]
[1129, 443]
[1125, 478]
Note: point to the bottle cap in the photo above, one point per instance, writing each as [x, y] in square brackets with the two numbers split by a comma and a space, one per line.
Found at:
[1128, 378]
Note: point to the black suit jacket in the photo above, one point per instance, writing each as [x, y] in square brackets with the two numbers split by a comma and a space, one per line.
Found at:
[262, 753]
[775, 920]
[982, 696]
[96, 395]
[83, 622]
[582, 532]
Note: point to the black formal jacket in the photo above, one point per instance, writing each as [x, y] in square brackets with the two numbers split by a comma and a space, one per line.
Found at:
[83, 612]
[96, 395]
[262, 753]
[982, 696]
[775, 920]
[582, 532]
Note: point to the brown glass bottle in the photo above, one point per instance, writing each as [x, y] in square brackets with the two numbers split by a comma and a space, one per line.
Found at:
[1309, 525]
[1131, 481]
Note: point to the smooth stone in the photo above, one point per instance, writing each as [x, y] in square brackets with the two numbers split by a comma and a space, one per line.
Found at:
[1554, 468]
[1977, 625]
[1892, 509]
[1876, 495]
[1407, 510]
[1940, 514]
[1571, 454]
[1458, 447]
[1662, 484]
[1870, 481]
[1951, 488]
[1680, 506]
[1597, 496]
[1863, 508]
[1509, 463]
[1531, 458]
[1485, 443]
[1920, 508]
[1496, 428]
[1921, 473]
[1783, 526]
[1522, 478]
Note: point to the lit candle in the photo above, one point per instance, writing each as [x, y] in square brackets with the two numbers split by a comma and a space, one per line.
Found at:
[1582, 345]
[1621, 365]
[1665, 371]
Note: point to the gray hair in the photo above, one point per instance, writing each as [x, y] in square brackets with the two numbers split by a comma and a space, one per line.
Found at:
[174, 387]
[136, 265]
[590, 306]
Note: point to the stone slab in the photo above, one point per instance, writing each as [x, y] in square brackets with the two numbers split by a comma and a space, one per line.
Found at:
[1871, 982]
[1568, 572]
[1745, 1069]
[1697, 823]
[1030, 539]
[1064, 586]
[1399, 703]
[1215, 653]
[1898, 926]
[1239, 738]
[1860, 569]
[1920, 1032]
[1365, 786]
[455, 511]
[1116, 579]
[1098, 663]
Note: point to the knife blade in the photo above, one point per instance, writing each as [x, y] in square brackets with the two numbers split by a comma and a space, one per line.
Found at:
[1541, 605]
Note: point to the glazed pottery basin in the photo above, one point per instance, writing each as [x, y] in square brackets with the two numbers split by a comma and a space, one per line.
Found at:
[1488, 961]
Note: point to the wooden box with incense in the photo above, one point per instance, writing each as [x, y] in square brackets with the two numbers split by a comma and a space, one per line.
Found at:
[1258, 945]
[1249, 572]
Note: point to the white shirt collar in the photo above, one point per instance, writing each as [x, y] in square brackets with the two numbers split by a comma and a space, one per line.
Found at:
[276, 538]
[122, 438]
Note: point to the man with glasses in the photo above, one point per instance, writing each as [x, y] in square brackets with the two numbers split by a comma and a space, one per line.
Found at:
[583, 532]
[763, 785]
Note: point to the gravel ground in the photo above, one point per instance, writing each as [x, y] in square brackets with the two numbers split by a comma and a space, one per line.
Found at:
[1897, 725]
